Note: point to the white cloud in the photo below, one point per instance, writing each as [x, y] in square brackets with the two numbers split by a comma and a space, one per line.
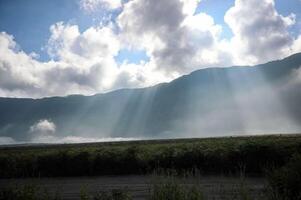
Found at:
[189, 6]
[145, 25]
[19, 72]
[67, 43]
[205, 37]
[43, 127]
[183, 40]
[94, 5]
[52, 139]
[82, 62]
[75, 139]
[139, 75]
[176, 39]
[260, 32]
[84, 59]
[296, 47]
[42, 131]
[177, 43]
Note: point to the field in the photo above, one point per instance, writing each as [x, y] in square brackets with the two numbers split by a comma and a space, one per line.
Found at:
[139, 186]
[274, 158]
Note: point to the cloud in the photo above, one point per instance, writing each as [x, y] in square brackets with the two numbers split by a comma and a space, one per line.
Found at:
[77, 139]
[84, 59]
[82, 62]
[43, 131]
[68, 44]
[52, 139]
[19, 72]
[260, 32]
[177, 43]
[296, 47]
[43, 127]
[94, 5]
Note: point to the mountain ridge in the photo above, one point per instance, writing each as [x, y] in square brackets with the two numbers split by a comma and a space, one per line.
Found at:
[297, 55]
[206, 102]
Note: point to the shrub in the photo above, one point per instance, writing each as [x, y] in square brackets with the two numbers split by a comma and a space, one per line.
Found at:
[285, 182]
[170, 189]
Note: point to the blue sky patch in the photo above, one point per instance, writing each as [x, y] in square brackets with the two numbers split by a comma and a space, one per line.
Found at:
[131, 56]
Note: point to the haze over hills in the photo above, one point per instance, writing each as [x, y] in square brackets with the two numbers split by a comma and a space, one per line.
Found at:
[260, 99]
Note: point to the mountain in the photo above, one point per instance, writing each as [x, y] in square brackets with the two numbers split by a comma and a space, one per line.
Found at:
[214, 101]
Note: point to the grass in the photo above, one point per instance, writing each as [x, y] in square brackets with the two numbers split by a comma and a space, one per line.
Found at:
[276, 157]
[284, 183]
[208, 156]
[163, 188]
[27, 192]
[170, 188]
[32, 192]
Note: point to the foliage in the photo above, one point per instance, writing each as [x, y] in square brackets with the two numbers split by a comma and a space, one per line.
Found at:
[31, 192]
[171, 189]
[116, 194]
[285, 182]
[26, 192]
[209, 156]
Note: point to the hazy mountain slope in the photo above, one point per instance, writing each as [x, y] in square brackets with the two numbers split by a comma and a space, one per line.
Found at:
[213, 101]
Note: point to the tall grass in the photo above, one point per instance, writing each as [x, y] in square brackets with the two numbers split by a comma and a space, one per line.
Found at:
[32, 192]
[27, 192]
[283, 184]
[116, 194]
[171, 189]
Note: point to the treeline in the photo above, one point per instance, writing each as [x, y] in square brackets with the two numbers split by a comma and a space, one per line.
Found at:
[250, 155]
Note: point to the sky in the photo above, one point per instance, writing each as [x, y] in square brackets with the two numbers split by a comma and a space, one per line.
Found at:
[62, 47]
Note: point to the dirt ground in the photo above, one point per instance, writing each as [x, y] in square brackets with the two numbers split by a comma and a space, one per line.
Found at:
[213, 187]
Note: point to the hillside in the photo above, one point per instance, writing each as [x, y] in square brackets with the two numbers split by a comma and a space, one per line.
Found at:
[213, 101]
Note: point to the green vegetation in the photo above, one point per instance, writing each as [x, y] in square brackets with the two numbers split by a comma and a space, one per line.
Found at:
[285, 182]
[207, 156]
[116, 194]
[27, 192]
[170, 189]
[163, 188]
[31, 192]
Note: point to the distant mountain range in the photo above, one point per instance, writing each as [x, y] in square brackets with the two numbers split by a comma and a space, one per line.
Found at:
[215, 101]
